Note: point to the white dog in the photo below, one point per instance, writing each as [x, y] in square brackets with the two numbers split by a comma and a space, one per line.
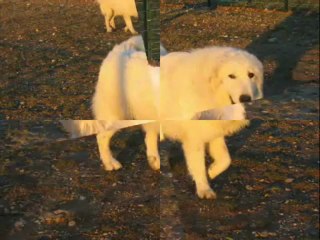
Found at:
[128, 88]
[112, 8]
[201, 85]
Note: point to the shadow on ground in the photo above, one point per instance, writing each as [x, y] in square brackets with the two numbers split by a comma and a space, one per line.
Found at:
[59, 190]
[286, 42]
[270, 191]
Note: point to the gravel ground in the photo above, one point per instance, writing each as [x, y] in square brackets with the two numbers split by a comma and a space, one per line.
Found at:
[286, 42]
[55, 188]
[50, 58]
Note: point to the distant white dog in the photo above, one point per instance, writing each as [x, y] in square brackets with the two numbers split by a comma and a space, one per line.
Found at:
[200, 85]
[112, 8]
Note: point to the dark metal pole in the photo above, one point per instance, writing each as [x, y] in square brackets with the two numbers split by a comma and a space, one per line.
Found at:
[151, 33]
[286, 5]
[212, 4]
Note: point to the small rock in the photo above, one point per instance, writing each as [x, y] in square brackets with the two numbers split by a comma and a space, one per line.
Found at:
[18, 225]
[249, 188]
[265, 234]
[57, 217]
[272, 40]
[71, 223]
[289, 180]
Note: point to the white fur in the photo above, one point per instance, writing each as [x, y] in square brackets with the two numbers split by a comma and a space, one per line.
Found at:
[197, 85]
[112, 8]
[80, 128]
[128, 88]
[190, 83]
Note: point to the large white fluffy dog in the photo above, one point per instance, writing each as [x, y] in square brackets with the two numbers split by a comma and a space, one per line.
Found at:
[200, 85]
[208, 83]
[112, 8]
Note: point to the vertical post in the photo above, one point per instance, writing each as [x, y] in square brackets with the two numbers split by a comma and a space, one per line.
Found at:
[212, 4]
[286, 5]
[151, 33]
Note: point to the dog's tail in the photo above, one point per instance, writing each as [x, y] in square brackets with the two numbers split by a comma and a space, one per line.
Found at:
[81, 128]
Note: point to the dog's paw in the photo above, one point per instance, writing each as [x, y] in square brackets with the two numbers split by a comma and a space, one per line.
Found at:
[206, 194]
[112, 165]
[154, 162]
[126, 29]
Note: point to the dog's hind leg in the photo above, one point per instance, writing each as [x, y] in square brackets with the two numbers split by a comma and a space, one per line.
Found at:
[109, 15]
[151, 141]
[129, 25]
[195, 157]
[218, 150]
[109, 162]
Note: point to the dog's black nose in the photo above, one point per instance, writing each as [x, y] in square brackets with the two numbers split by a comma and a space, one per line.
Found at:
[245, 98]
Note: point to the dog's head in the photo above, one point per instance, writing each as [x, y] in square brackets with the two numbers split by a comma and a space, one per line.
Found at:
[240, 74]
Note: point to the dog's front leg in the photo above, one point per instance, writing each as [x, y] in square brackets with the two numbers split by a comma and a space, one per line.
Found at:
[195, 157]
[109, 162]
[151, 141]
[218, 150]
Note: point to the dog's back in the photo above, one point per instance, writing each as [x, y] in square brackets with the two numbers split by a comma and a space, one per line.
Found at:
[120, 7]
[127, 85]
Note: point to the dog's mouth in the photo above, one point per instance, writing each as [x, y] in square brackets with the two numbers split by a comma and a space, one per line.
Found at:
[232, 102]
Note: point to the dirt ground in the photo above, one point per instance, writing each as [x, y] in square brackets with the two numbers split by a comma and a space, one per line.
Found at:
[50, 53]
[286, 42]
[50, 56]
[54, 188]
[258, 202]
[270, 191]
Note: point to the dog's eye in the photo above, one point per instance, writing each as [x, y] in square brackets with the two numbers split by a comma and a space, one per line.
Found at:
[232, 76]
[250, 75]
